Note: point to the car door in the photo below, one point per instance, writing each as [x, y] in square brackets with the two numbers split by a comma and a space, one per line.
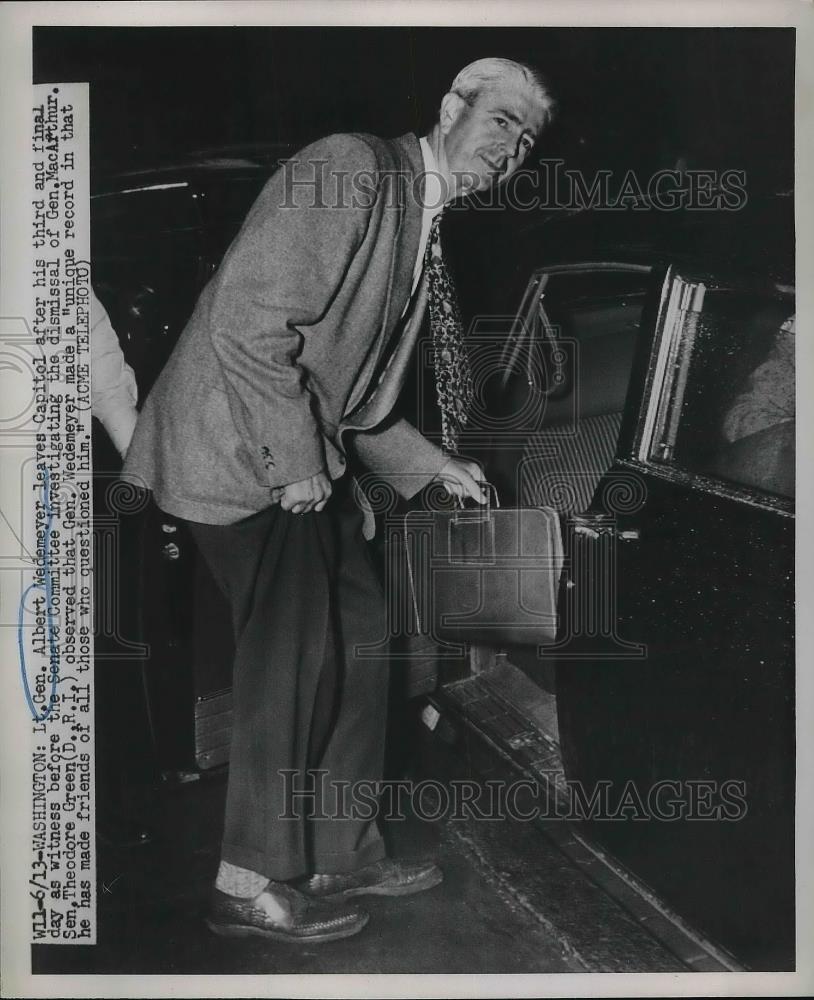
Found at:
[149, 264]
[675, 674]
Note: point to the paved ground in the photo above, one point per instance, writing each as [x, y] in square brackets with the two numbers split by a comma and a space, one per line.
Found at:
[152, 900]
[511, 902]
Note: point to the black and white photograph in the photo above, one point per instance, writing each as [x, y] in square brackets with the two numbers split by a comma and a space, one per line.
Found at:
[412, 427]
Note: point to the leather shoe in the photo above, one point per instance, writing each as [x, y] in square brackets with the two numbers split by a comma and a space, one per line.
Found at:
[383, 878]
[308, 920]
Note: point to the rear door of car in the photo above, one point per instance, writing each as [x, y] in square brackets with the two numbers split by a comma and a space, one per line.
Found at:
[675, 673]
[151, 257]
[149, 264]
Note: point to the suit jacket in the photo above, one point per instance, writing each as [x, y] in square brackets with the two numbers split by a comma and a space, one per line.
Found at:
[293, 343]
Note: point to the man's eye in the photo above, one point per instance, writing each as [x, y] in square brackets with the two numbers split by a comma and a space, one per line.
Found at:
[501, 122]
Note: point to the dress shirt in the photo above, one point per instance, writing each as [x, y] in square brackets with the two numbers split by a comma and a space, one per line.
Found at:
[433, 204]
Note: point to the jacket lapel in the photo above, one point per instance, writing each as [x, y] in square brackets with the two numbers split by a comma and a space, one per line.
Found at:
[411, 200]
[384, 394]
[410, 165]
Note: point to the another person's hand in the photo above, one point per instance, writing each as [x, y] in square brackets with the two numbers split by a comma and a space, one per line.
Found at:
[461, 479]
[308, 494]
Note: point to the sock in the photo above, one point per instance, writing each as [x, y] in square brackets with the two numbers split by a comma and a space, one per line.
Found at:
[240, 882]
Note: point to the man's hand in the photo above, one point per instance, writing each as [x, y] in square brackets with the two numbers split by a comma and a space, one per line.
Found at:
[308, 494]
[460, 479]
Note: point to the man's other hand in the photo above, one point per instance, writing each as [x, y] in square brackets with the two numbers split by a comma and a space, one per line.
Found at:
[308, 494]
[461, 479]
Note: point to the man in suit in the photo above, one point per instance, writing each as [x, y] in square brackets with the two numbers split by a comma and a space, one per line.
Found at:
[287, 372]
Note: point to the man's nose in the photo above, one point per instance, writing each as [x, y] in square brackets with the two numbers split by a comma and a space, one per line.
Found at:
[510, 146]
[517, 148]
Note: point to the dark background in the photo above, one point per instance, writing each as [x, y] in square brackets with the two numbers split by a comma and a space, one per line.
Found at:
[629, 97]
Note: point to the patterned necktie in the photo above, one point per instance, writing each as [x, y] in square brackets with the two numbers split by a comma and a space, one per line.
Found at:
[453, 377]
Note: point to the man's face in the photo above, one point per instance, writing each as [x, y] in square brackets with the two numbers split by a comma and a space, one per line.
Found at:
[485, 142]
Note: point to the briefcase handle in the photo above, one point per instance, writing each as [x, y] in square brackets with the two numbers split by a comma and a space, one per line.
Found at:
[480, 511]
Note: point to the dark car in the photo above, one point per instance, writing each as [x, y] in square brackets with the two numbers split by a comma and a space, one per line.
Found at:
[655, 359]
[644, 389]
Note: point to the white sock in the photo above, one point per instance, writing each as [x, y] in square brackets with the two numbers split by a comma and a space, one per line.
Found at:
[240, 882]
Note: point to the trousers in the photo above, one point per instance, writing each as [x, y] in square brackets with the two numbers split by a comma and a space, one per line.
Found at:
[309, 690]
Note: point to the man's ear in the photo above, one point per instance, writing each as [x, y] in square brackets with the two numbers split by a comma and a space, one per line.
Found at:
[451, 107]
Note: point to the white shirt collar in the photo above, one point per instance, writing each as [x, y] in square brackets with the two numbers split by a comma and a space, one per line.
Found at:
[433, 183]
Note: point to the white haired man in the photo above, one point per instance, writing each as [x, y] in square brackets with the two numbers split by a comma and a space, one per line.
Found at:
[289, 367]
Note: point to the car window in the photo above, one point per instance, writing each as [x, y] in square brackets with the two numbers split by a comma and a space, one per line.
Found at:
[583, 322]
[727, 396]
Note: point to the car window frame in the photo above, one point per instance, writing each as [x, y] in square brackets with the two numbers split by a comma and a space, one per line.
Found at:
[523, 323]
[635, 450]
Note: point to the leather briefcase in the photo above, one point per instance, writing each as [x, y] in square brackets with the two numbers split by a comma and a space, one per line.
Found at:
[485, 574]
